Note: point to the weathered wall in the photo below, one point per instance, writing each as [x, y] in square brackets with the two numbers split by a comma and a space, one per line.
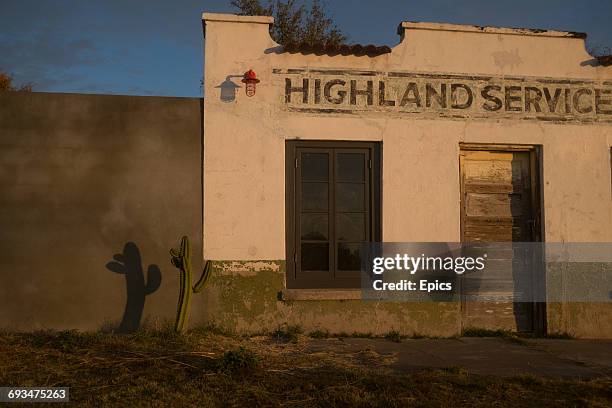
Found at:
[81, 176]
[244, 297]
[244, 177]
[418, 151]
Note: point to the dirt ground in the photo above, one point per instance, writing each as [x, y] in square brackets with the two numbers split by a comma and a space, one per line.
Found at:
[498, 356]
[208, 368]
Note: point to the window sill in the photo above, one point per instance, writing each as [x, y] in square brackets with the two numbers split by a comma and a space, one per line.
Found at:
[320, 294]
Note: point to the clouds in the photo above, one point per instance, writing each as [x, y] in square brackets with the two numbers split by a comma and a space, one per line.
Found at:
[48, 47]
[142, 47]
[156, 46]
[42, 52]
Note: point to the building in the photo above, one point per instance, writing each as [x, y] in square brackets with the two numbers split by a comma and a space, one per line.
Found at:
[442, 123]
[458, 133]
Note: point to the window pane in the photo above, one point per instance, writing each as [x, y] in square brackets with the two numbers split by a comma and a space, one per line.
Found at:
[315, 196]
[349, 257]
[315, 257]
[350, 166]
[350, 197]
[314, 227]
[350, 227]
[315, 166]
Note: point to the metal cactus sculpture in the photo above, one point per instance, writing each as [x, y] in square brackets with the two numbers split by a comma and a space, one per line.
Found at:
[181, 258]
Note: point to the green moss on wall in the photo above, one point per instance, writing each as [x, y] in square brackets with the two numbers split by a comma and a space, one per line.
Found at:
[245, 296]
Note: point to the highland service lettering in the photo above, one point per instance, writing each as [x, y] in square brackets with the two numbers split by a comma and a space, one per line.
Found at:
[490, 96]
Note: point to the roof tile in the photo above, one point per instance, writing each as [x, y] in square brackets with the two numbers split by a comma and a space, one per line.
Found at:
[331, 50]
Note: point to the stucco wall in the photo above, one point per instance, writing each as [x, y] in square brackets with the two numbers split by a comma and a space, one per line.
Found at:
[81, 176]
[244, 177]
[244, 171]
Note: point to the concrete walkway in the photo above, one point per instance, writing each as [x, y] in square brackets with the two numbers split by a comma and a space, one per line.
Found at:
[488, 356]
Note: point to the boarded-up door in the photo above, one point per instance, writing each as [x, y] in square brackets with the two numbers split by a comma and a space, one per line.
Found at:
[497, 205]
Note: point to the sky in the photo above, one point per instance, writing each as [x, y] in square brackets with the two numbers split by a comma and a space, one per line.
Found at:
[155, 47]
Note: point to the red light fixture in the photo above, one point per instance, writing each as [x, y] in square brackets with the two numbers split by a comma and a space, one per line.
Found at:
[250, 79]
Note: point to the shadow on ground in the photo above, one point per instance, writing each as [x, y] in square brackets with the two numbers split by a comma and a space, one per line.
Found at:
[486, 356]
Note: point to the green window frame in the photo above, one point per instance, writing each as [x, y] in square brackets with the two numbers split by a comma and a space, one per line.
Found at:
[332, 207]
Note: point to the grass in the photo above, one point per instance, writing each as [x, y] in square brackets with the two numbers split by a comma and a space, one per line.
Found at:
[360, 335]
[288, 333]
[205, 368]
[394, 336]
[479, 332]
[319, 334]
[240, 359]
[505, 334]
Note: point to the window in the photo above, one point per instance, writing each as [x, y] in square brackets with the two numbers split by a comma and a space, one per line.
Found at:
[332, 207]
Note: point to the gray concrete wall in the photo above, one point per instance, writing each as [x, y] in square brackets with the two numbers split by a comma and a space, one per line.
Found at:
[81, 176]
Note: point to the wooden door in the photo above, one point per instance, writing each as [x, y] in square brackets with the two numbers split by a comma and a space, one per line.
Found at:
[497, 205]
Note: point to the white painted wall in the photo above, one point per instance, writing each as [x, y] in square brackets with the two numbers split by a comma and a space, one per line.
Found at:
[244, 174]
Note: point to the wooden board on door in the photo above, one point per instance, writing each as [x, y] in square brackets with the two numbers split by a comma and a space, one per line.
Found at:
[497, 205]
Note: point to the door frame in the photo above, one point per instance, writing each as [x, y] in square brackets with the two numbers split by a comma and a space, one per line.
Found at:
[537, 204]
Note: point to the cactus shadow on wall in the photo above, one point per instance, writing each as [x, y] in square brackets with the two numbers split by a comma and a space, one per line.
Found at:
[129, 265]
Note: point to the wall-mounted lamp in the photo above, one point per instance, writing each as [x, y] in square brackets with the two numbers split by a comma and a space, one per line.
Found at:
[250, 79]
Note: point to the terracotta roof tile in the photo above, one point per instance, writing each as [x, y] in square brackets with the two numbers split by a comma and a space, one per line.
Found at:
[352, 49]
[605, 60]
